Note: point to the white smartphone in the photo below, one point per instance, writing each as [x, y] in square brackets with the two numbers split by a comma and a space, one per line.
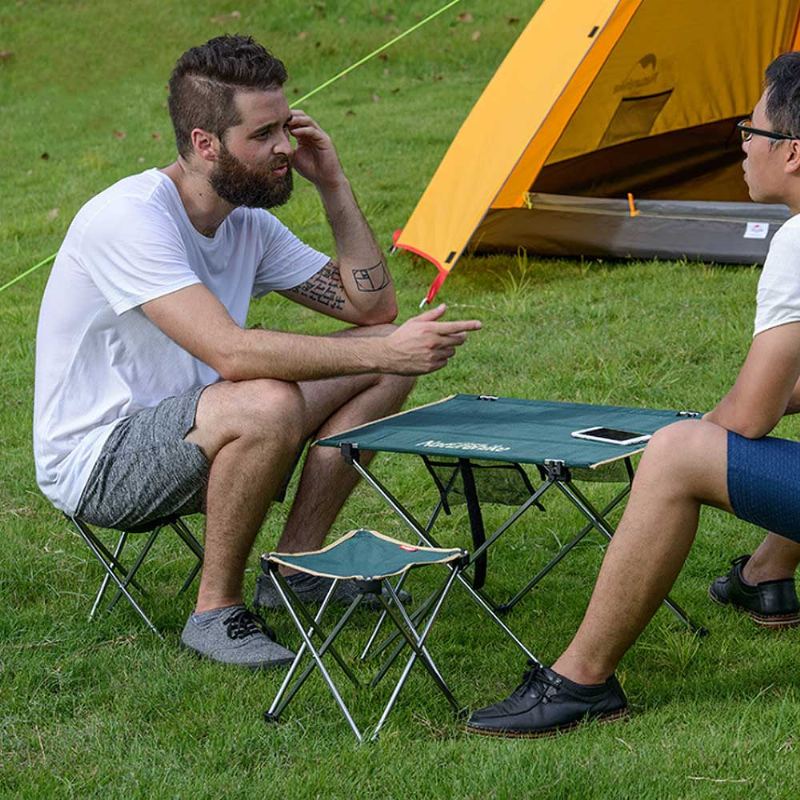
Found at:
[611, 436]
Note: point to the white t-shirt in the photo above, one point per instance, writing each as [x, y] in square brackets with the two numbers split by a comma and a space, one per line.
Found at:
[99, 359]
[778, 296]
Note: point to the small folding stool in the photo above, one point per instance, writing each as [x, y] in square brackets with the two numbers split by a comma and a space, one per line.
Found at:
[370, 559]
[123, 576]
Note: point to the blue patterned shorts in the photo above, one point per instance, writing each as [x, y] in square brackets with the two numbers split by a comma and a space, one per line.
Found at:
[764, 483]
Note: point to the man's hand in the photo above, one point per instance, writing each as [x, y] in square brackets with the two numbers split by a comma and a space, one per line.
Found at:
[315, 157]
[422, 344]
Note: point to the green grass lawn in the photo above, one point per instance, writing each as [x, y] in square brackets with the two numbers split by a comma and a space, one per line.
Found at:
[106, 709]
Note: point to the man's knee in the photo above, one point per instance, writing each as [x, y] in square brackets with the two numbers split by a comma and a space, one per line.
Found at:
[269, 407]
[258, 409]
[399, 386]
[690, 453]
[686, 440]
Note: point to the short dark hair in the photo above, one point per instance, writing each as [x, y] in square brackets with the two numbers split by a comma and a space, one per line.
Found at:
[203, 84]
[783, 93]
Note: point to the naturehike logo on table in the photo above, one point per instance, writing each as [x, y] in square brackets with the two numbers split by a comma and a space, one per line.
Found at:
[477, 446]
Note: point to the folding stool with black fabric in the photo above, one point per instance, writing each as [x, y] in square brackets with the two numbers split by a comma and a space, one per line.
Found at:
[123, 576]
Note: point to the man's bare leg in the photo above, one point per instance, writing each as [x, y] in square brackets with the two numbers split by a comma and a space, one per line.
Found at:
[327, 480]
[776, 558]
[684, 466]
[250, 432]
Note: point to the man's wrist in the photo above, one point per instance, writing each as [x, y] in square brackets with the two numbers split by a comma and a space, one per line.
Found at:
[378, 353]
[333, 186]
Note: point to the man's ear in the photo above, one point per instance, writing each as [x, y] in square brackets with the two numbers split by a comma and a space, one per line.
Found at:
[793, 157]
[205, 144]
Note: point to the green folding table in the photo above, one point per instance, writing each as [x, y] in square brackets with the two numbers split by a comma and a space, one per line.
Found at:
[475, 446]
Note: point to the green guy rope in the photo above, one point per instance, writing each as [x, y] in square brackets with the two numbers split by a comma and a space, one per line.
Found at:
[378, 51]
[27, 272]
[296, 102]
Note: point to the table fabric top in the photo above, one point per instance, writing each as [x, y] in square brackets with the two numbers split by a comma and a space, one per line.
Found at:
[505, 429]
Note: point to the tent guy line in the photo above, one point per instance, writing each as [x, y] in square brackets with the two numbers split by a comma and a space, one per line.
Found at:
[302, 99]
[27, 272]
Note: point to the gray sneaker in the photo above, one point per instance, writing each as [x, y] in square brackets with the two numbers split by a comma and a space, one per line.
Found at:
[312, 589]
[235, 636]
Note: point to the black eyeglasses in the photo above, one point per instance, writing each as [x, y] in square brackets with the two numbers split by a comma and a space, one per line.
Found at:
[748, 133]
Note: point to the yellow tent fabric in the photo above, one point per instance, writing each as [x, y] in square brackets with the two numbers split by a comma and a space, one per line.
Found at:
[600, 98]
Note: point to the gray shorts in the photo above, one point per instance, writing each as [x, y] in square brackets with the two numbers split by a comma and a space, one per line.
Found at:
[146, 471]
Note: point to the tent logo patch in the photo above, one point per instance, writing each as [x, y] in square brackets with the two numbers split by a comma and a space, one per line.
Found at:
[474, 446]
[643, 73]
[756, 230]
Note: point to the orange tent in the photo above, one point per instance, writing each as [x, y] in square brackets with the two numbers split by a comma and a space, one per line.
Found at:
[609, 129]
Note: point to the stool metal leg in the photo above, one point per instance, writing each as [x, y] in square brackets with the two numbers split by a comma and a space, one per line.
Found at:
[427, 657]
[136, 564]
[98, 549]
[417, 618]
[315, 627]
[276, 708]
[281, 588]
[381, 619]
[277, 581]
[417, 615]
[417, 644]
[406, 629]
[182, 529]
[326, 645]
[327, 639]
[102, 590]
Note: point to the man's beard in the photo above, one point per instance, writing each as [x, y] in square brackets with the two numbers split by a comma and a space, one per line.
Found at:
[255, 188]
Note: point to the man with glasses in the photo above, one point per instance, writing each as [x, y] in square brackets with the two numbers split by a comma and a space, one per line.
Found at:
[724, 460]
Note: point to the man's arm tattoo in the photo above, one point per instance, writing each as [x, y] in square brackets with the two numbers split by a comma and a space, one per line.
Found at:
[324, 288]
[372, 279]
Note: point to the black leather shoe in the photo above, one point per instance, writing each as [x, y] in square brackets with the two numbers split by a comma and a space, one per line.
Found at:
[772, 604]
[546, 703]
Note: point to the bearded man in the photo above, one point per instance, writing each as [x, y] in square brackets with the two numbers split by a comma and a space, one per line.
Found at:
[152, 398]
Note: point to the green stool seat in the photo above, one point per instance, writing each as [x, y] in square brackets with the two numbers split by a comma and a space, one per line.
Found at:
[365, 555]
[370, 559]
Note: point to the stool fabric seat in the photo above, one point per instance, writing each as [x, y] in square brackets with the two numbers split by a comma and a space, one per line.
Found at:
[365, 555]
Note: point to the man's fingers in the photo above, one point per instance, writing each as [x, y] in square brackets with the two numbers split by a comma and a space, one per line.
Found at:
[431, 314]
[454, 339]
[448, 328]
[443, 352]
[308, 132]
